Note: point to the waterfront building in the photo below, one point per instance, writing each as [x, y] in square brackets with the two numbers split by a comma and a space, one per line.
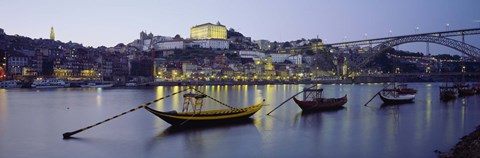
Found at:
[16, 62]
[209, 31]
[188, 69]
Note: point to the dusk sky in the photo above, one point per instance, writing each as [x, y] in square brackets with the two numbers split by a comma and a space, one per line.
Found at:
[109, 22]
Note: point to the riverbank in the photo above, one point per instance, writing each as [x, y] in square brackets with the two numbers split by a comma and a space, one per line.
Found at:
[469, 146]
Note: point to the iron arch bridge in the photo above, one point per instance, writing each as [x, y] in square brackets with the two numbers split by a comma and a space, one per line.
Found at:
[465, 48]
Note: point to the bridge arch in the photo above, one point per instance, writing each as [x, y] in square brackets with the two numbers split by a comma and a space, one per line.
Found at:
[465, 48]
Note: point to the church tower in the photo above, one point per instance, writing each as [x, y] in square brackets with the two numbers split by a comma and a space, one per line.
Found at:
[52, 34]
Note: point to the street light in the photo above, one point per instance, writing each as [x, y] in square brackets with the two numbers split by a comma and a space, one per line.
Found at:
[390, 33]
[447, 26]
[417, 29]
[365, 35]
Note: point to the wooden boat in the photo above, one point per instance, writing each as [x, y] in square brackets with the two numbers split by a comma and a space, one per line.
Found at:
[464, 89]
[313, 101]
[391, 96]
[192, 115]
[448, 93]
[477, 88]
[403, 89]
[10, 84]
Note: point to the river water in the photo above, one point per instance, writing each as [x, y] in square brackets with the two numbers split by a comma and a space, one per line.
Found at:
[32, 122]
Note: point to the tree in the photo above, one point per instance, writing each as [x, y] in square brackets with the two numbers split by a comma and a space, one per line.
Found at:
[286, 45]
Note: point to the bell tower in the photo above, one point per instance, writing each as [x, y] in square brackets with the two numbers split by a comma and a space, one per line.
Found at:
[52, 34]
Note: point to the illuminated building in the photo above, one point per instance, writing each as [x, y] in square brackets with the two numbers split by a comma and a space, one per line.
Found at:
[209, 31]
[52, 34]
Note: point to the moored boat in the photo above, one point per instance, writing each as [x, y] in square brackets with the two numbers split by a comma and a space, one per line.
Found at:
[448, 93]
[464, 89]
[96, 85]
[10, 84]
[192, 114]
[131, 84]
[391, 96]
[49, 83]
[313, 101]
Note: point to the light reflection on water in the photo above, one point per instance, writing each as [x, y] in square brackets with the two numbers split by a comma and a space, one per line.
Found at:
[361, 131]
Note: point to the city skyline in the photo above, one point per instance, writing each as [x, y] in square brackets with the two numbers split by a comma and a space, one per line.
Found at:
[108, 23]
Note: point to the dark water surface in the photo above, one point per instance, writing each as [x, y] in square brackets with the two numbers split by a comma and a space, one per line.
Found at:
[32, 122]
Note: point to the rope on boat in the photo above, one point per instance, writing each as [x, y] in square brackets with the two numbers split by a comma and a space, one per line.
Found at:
[289, 99]
[69, 134]
[231, 107]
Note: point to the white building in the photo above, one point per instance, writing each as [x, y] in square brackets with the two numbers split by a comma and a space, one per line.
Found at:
[280, 57]
[170, 45]
[16, 63]
[255, 55]
[211, 43]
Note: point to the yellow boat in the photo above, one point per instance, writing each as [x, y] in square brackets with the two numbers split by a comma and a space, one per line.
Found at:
[192, 115]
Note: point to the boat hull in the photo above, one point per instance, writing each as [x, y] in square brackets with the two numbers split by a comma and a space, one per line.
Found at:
[448, 95]
[465, 92]
[206, 118]
[400, 100]
[329, 104]
[97, 86]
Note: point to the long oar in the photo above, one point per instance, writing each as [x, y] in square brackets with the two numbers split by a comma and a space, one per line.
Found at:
[376, 94]
[289, 99]
[372, 98]
[68, 135]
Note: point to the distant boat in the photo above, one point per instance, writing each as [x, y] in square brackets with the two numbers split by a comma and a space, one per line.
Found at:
[49, 83]
[464, 89]
[313, 101]
[10, 84]
[192, 115]
[448, 93]
[391, 96]
[96, 85]
[131, 84]
[476, 87]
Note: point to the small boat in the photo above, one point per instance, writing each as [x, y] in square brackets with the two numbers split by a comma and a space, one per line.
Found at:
[313, 101]
[97, 85]
[192, 114]
[10, 84]
[448, 93]
[477, 88]
[131, 84]
[464, 89]
[403, 89]
[391, 96]
[49, 83]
